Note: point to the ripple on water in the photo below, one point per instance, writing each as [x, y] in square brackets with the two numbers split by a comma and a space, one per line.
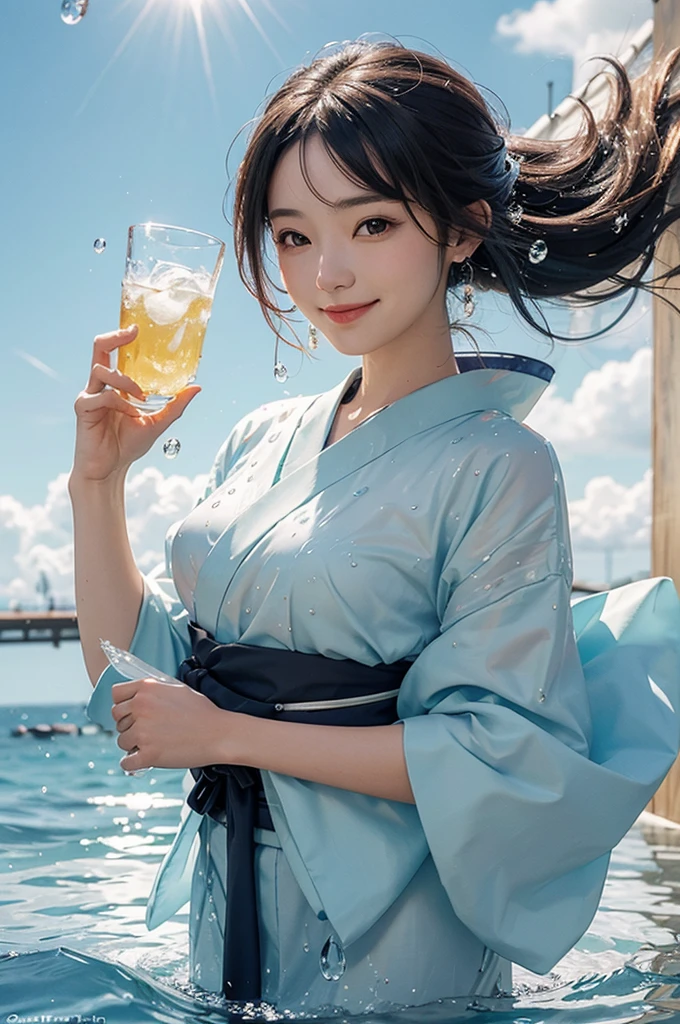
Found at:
[73, 938]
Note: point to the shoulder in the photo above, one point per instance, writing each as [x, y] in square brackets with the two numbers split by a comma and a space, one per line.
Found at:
[511, 455]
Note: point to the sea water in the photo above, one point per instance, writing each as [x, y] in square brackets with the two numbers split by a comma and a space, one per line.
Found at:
[80, 843]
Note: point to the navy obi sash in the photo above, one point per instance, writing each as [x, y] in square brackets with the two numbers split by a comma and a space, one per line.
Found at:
[269, 683]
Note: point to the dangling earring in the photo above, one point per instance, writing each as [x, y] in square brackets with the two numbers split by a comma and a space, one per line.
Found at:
[280, 371]
[312, 338]
[467, 274]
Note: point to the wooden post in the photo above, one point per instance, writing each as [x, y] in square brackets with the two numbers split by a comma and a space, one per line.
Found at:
[665, 546]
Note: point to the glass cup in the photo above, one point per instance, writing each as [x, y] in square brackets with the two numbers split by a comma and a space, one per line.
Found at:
[168, 289]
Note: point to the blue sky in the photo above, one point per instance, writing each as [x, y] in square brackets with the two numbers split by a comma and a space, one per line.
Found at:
[118, 120]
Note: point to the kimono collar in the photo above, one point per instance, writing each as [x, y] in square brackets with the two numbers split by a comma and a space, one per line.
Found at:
[503, 381]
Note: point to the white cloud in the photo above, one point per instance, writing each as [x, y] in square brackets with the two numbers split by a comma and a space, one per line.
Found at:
[610, 410]
[610, 515]
[575, 28]
[40, 537]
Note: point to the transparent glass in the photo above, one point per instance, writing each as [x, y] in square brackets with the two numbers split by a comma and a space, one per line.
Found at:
[167, 290]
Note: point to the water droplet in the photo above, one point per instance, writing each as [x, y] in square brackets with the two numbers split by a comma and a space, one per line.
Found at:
[353, 564]
[456, 440]
[487, 586]
[99, 245]
[454, 644]
[73, 11]
[554, 607]
[538, 251]
[231, 490]
[280, 372]
[171, 448]
[305, 947]
[254, 462]
[514, 213]
[486, 558]
[620, 223]
[362, 490]
[477, 472]
[332, 961]
[248, 610]
[541, 696]
[312, 612]
[413, 508]
[272, 437]
[215, 504]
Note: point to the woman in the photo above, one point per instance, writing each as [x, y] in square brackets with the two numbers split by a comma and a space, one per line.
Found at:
[394, 556]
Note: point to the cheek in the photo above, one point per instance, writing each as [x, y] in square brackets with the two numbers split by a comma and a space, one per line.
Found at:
[297, 274]
[412, 261]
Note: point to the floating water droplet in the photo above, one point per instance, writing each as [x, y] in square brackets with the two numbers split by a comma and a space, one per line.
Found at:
[362, 490]
[73, 11]
[305, 947]
[280, 372]
[171, 448]
[332, 960]
[514, 213]
[538, 251]
[620, 223]
[541, 696]
[99, 245]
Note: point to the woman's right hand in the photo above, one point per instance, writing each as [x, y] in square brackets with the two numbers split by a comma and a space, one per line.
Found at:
[111, 433]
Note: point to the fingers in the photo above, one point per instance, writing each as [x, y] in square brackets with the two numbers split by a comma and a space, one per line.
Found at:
[88, 403]
[174, 409]
[101, 376]
[104, 344]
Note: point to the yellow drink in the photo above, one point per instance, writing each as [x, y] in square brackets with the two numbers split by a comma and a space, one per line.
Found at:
[171, 308]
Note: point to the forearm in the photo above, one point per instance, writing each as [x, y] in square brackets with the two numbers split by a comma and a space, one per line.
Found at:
[108, 584]
[363, 759]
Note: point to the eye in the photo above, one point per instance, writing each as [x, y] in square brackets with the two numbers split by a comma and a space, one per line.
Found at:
[297, 240]
[380, 222]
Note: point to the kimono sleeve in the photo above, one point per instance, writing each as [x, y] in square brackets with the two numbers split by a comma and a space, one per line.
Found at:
[524, 780]
[161, 636]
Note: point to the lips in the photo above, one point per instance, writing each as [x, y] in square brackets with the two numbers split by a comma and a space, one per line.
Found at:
[345, 314]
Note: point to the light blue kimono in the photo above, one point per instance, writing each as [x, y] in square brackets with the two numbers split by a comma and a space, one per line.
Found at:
[535, 729]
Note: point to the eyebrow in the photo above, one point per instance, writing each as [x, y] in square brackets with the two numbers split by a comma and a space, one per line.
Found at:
[342, 204]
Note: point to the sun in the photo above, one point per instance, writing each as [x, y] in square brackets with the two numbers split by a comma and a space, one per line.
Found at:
[184, 11]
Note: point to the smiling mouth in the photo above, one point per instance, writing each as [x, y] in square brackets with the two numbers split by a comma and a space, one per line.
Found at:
[344, 314]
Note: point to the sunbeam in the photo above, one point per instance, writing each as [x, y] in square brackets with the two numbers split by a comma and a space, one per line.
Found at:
[220, 10]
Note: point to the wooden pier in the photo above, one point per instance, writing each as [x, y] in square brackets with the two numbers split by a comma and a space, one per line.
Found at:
[38, 627]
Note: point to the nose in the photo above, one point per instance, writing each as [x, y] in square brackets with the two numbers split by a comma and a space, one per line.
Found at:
[334, 270]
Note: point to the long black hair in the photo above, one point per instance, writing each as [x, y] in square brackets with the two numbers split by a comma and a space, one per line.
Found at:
[405, 124]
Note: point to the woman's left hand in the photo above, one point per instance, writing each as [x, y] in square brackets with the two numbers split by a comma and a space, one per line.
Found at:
[171, 725]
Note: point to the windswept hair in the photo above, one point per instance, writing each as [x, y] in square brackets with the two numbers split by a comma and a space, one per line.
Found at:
[407, 125]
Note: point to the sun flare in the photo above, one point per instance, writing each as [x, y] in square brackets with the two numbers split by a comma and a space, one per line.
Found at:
[177, 14]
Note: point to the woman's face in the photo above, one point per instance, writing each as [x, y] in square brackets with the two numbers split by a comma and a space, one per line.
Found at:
[367, 250]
